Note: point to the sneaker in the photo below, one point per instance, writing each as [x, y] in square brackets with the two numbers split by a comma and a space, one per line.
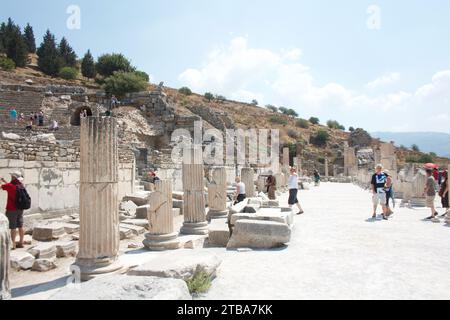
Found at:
[385, 218]
[300, 212]
[429, 218]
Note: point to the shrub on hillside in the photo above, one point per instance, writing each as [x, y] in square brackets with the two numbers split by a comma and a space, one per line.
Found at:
[272, 108]
[321, 138]
[302, 123]
[107, 64]
[7, 64]
[68, 73]
[209, 96]
[333, 124]
[314, 120]
[278, 120]
[185, 90]
[293, 134]
[121, 83]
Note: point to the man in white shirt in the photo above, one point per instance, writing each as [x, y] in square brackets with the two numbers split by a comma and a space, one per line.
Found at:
[293, 190]
[240, 191]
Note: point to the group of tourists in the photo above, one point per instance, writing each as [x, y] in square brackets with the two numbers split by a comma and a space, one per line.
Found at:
[383, 191]
[271, 187]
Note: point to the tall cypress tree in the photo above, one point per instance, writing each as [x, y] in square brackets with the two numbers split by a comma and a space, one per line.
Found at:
[68, 56]
[49, 59]
[14, 44]
[2, 37]
[88, 66]
[29, 38]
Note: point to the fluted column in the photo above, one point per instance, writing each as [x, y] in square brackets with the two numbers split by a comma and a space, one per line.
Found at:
[247, 177]
[217, 194]
[194, 197]
[161, 235]
[5, 247]
[99, 215]
[326, 168]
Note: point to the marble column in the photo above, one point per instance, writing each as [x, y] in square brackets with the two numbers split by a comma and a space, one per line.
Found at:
[261, 184]
[326, 168]
[194, 197]
[161, 235]
[99, 210]
[247, 177]
[217, 194]
[298, 163]
[5, 247]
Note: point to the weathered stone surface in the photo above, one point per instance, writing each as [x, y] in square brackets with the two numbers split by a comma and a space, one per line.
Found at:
[48, 232]
[44, 265]
[176, 212]
[275, 215]
[251, 208]
[192, 241]
[21, 260]
[43, 250]
[121, 287]
[136, 230]
[128, 206]
[238, 208]
[10, 136]
[5, 249]
[66, 249]
[142, 211]
[271, 203]
[71, 228]
[259, 234]
[125, 233]
[219, 233]
[182, 264]
[140, 198]
[137, 222]
[178, 195]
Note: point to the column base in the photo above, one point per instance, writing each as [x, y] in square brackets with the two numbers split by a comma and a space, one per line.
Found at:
[197, 228]
[215, 214]
[161, 242]
[93, 268]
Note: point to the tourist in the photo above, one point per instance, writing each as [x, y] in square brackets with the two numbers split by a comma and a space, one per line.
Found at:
[29, 127]
[389, 193]
[54, 126]
[378, 184]
[430, 193]
[271, 185]
[14, 215]
[316, 178]
[443, 193]
[21, 117]
[114, 102]
[41, 119]
[13, 115]
[240, 194]
[35, 118]
[293, 190]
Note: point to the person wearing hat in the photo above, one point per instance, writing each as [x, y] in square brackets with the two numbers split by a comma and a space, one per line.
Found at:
[271, 185]
[378, 184]
[14, 215]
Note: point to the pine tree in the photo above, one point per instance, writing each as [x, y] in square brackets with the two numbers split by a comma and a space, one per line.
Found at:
[29, 38]
[2, 37]
[68, 56]
[88, 66]
[13, 44]
[49, 59]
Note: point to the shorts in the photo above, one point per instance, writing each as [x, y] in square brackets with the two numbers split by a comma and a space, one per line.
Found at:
[293, 197]
[430, 201]
[240, 198]
[379, 198]
[15, 219]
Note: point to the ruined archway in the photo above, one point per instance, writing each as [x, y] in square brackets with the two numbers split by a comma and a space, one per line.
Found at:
[75, 119]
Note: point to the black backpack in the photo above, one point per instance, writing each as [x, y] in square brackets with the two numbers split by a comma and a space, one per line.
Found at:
[23, 200]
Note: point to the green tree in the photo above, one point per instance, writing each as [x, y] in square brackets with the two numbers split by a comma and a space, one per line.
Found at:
[415, 148]
[185, 90]
[209, 96]
[2, 37]
[7, 64]
[121, 83]
[272, 108]
[30, 41]
[314, 120]
[254, 102]
[49, 60]
[351, 129]
[321, 138]
[143, 75]
[425, 158]
[13, 43]
[107, 64]
[88, 66]
[68, 56]
[68, 73]
[292, 113]
[283, 110]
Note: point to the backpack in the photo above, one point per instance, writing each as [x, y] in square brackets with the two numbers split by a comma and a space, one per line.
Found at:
[23, 200]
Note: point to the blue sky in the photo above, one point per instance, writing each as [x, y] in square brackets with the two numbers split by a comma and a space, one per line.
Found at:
[318, 57]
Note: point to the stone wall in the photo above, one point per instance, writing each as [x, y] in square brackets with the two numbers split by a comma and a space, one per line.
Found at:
[54, 186]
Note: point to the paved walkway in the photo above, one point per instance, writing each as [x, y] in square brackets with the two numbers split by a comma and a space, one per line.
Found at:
[337, 253]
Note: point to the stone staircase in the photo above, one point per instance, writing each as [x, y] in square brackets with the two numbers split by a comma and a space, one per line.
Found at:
[25, 102]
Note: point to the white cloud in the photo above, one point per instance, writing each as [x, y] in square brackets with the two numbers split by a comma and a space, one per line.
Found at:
[383, 81]
[244, 73]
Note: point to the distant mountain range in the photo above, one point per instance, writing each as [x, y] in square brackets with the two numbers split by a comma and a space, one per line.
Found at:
[436, 142]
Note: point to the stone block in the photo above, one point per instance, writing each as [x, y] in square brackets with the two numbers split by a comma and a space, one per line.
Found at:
[21, 260]
[140, 198]
[44, 265]
[66, 249]
[71, 228]
[259, 234]
[219, 233]
[137, 222]
[136, 230]
[48, 232]
[125, 233]
[122, 287]
[142, 212]
[181, 264]
[178, 195]
[43, 250]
